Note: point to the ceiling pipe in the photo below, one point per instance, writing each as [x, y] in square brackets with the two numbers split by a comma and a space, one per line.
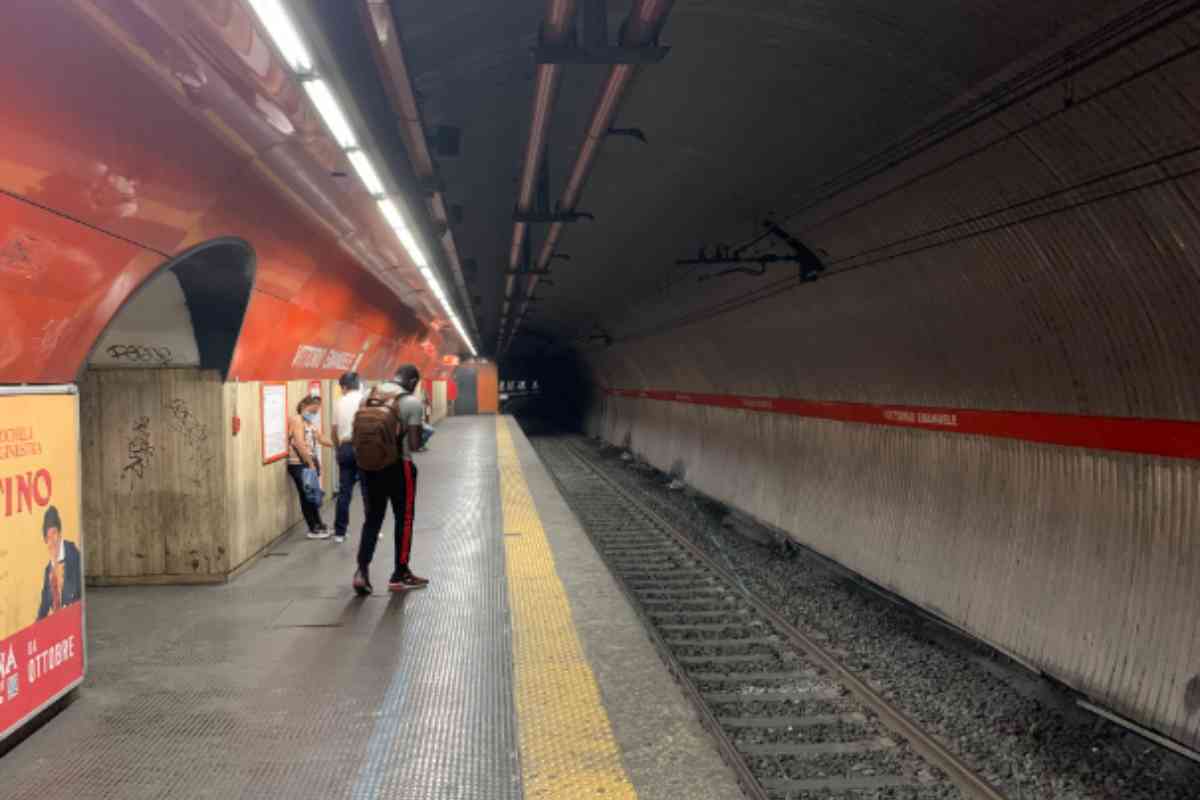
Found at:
[555, 32]
[377, 16]
[645, 21]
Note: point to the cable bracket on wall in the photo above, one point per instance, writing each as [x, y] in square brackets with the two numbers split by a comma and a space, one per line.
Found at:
[742, 260]
[632, 133]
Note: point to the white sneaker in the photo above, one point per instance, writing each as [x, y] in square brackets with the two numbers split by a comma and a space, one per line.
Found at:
[339, 539]
[318, 534]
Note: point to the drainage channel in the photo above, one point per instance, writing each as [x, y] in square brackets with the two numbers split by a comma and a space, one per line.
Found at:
[789, 719]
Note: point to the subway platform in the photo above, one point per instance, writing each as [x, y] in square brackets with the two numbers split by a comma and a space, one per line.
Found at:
[520, 671]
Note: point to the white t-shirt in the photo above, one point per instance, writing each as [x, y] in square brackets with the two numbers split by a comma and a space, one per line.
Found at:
[343, 414]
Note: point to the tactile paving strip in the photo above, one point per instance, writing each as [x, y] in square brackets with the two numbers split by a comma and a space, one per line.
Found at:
[567, 745]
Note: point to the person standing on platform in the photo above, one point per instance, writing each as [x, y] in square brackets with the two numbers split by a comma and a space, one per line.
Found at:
[387, 430]
[426, 419]
[304, 451]
[343, 434]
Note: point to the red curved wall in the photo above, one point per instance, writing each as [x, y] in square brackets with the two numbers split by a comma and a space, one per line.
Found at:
[119, 151]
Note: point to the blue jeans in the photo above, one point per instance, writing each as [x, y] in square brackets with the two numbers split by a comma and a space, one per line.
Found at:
[312, 513]
[348, 475]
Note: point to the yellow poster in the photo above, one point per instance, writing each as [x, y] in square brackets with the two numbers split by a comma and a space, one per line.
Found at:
[41, 553]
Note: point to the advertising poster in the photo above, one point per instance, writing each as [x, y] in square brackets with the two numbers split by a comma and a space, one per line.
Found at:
[41, 554]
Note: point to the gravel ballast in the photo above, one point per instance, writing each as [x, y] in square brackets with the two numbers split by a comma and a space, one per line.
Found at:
[1018, 731]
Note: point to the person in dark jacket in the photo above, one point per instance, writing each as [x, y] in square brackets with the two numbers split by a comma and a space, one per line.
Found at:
[62, 580]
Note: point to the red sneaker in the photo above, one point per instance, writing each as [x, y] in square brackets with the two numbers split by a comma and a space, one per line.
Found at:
[404, 582]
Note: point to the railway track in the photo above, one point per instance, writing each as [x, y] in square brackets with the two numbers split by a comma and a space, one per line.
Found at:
[789, 719]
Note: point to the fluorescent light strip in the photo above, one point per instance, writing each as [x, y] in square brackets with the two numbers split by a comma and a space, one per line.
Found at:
[366, 170]
[287, 38]
[331, 112]
[283, 32]
[401, 229]
[410, 244]
[388, 209]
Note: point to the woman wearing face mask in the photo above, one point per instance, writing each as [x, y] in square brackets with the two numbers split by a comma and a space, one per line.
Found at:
[305, 441]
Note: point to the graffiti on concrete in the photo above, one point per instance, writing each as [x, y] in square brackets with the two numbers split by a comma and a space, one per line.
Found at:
[140, 354]
[140, 450]
[199, 454]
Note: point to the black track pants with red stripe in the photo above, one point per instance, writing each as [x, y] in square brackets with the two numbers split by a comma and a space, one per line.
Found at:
[398, 485]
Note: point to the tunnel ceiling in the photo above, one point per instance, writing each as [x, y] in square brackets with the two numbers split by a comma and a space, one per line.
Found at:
[762, 107]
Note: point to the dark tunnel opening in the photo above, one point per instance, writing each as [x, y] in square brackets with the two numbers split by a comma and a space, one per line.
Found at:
[216, 283]
[561, 399]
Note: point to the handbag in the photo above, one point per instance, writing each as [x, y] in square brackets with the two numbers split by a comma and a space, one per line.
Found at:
[311, 480]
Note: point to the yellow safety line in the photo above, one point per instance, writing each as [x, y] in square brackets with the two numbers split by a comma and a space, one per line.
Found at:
[567, 745]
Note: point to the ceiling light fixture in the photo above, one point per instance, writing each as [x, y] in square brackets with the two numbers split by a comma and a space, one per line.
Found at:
[283, 32]
[410, 244]
[391, 214]
[291, 45]
[404, 233]
[366, 170]
[327, 106]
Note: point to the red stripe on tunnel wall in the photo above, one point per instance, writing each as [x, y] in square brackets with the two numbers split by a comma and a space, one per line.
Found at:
[1161, 437]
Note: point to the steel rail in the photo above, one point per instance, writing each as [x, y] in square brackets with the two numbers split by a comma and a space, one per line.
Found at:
[957, 771]
[709, 720]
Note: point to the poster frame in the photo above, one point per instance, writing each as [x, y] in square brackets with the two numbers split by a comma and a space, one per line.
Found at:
[73, 390]
[270, 458]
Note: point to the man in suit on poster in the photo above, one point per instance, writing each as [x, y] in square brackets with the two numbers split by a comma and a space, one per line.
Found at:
[62, 580]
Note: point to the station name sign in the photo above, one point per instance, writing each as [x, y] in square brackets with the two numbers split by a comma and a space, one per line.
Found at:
[1161, 437]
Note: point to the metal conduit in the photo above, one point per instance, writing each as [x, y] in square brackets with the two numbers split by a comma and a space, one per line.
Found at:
[556, 30]
[642, 28]
[390, 60]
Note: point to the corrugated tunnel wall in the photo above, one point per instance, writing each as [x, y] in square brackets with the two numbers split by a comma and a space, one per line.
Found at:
[1041, 259]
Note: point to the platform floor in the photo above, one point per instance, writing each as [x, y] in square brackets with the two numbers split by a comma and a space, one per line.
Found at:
[520, 672]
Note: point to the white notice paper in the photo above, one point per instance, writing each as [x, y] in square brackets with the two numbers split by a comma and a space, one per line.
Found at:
[274, 421]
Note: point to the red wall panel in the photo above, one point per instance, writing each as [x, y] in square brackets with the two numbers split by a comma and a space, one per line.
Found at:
[1161, 437]
[114, 158]
[60, 282]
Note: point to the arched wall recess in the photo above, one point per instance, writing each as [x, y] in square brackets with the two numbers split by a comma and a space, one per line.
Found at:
[188, 313]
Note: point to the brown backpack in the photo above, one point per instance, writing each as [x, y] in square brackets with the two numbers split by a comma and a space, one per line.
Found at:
[378, 432]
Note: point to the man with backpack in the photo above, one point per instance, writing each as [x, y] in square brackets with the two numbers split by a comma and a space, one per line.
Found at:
[387, 430]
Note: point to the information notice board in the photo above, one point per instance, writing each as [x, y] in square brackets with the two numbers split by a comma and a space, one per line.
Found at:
[41, 551]
[274, 417]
